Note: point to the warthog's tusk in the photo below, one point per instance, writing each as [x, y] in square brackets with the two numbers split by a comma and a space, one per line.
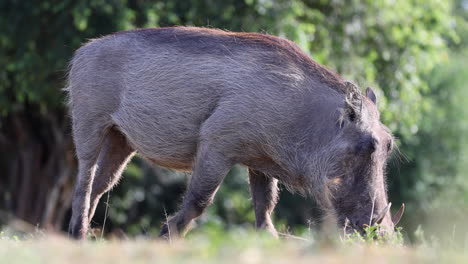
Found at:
[382, 214]
[396, 218]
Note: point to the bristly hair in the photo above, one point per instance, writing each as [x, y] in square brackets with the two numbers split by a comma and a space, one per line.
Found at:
[353, 99]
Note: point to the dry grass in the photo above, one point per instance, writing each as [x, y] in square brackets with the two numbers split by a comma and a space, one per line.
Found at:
[234, 247]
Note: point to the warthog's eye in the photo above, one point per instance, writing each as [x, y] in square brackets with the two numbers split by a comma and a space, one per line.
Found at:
[366, 145]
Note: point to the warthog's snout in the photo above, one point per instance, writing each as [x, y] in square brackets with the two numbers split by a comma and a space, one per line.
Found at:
[386, 226]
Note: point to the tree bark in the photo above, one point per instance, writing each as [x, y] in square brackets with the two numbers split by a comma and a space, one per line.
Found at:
[38, 162]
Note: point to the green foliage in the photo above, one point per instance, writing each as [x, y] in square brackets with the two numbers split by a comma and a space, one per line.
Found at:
[372, 236]
[36, 41]
[443, 147]
[439, 153]
[4, 237]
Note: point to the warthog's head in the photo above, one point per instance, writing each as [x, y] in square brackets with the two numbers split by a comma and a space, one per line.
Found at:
[356, 187]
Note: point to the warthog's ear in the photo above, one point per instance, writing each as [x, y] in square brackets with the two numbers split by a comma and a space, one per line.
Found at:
[353, 113]
[371, 95]
[353, 106]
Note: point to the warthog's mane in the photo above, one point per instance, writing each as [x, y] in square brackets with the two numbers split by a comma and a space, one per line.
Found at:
[223, 42]
[217, 42]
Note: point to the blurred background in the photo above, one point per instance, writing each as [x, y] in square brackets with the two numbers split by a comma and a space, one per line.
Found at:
[413, 52]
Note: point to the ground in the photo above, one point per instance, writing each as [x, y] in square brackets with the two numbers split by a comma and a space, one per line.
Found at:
[237, 246]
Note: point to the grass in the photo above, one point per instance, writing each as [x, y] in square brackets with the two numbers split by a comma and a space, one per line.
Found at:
[219, 246]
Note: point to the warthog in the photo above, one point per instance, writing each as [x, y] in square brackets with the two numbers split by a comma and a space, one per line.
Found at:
[204, 100]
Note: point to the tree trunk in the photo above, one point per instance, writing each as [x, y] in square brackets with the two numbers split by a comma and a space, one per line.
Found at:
[38, 165]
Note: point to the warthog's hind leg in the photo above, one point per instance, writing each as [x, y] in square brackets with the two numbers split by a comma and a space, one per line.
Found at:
[88, 136]
[264, 197]
[113, 158]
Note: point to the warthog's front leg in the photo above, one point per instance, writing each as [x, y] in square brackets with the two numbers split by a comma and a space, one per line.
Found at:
[209, 170]
[264, 191]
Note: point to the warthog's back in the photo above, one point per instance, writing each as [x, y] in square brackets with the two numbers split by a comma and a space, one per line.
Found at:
[159, 86]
